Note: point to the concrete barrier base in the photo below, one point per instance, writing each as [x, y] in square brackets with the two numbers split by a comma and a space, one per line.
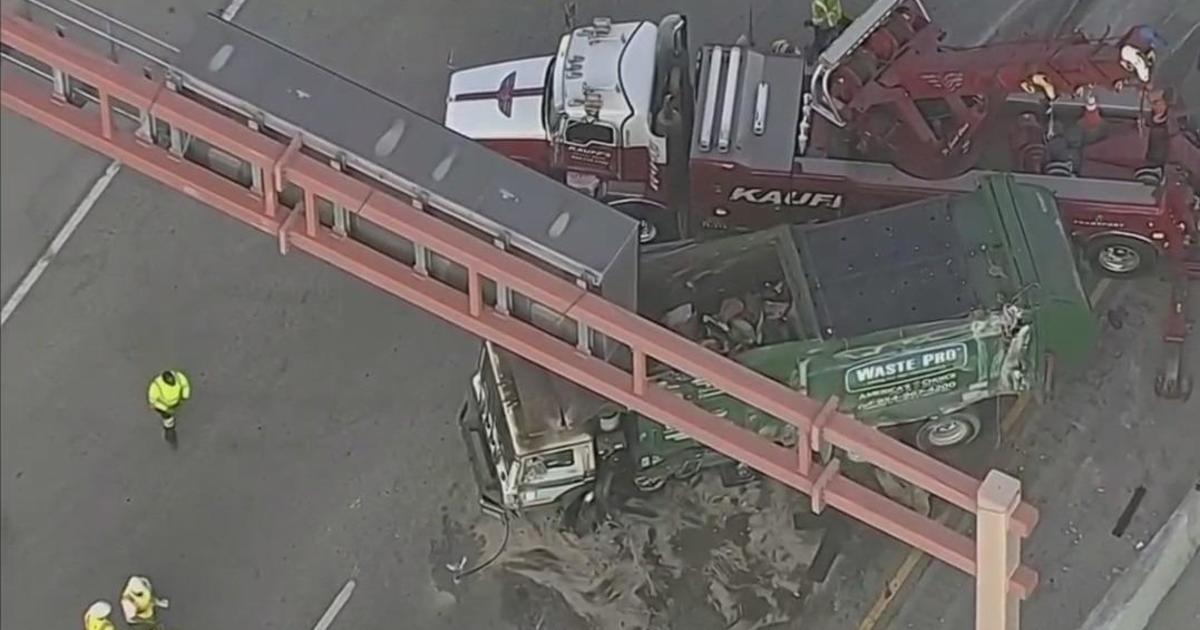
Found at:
[1132, 599]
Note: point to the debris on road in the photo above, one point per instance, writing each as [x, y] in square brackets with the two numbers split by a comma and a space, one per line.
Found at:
[1127, 514]
[700, 552]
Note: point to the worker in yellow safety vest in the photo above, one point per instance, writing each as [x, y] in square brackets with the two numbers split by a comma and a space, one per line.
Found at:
[96, 617]
[139, 603]
[827, 21]
[167, 392]
[827, 13]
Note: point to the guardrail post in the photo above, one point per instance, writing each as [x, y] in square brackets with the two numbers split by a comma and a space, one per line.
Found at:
[106, 123]
[474, 293]
[286, 226]
[60, 84]
[814, 441]
[997, 553]
[583, 332]
[341, 227]
[310, 213]
[503, 293]
[178, 141]
[639, 372]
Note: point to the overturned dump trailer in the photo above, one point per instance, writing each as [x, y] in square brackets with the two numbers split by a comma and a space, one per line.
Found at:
[412, 157]
[913, 314]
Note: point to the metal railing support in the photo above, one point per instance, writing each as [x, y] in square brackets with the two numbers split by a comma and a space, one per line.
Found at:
[997, 552]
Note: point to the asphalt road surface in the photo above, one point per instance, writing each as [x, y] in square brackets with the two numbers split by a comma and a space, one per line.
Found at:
[319, 445]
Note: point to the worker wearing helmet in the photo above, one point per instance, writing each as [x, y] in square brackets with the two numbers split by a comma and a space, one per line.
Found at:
[139, 603]
[828, 20]
[96, 617]
[167, 392]
[827, 13]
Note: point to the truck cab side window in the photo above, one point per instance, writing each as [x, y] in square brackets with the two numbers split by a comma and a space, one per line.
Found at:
[584, 133]
[559, 459]
[548, 467]
[549, 114]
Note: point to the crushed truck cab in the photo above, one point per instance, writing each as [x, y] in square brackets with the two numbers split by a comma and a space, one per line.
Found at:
[911, 315]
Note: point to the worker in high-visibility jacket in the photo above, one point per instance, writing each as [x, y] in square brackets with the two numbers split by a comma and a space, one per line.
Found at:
[828, 20]
[167, 392]
[139, 603]
[96, 617]
[827, 13]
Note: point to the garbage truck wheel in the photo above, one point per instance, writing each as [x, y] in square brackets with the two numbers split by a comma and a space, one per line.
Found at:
[952, 429]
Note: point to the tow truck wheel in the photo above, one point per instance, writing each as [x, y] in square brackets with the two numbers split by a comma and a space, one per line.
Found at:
[1170, 381]
[954, 429]
[656, 224]
[1120, 256]
[647, 231]
[1180, 389]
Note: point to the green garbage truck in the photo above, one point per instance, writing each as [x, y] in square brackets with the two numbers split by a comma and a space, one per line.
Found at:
[911, 315]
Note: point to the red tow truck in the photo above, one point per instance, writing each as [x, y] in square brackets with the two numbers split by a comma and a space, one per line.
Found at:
[738, 140]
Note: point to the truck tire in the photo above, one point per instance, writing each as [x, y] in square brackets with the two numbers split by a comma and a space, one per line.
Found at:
[658, 223]
[1120, 257]
[646, 485]
[580, 514]
[952, 429]
[688, 469]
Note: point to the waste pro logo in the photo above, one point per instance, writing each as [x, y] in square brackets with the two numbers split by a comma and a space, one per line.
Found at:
[905, 367]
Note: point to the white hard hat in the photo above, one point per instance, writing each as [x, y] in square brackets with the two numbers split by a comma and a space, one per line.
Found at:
[138, 583]
[98, 610]
[1137, 62]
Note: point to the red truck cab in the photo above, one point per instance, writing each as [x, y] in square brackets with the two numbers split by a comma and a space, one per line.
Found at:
[739, 140]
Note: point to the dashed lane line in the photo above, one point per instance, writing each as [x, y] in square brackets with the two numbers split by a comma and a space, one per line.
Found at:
[335, 607]
[231, 10]
[81, 211]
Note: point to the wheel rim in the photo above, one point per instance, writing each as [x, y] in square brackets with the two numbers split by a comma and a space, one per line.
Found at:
[949, 431]
[649, 484]
[646, 231]
[1119, 259]
[689, 468]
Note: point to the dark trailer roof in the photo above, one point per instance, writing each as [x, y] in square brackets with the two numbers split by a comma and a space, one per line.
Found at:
[459, 176]
[898, 267]
[925, 261]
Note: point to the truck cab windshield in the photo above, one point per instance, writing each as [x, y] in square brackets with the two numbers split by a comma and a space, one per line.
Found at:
[545, 465]
[549, 115]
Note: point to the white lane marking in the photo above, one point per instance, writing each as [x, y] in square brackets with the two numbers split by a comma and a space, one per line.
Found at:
[1001, 21]
[336, 606]
[60, 239]
[231, 10]
[1183, 40]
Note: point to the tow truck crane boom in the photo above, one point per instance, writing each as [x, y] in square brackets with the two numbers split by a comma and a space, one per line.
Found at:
[272, 171]
[890, 78]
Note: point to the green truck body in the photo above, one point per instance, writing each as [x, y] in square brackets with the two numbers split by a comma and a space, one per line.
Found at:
[906, 315]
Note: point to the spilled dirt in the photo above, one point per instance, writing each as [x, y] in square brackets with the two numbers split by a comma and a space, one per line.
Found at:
[694, 555]
[690, 556]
